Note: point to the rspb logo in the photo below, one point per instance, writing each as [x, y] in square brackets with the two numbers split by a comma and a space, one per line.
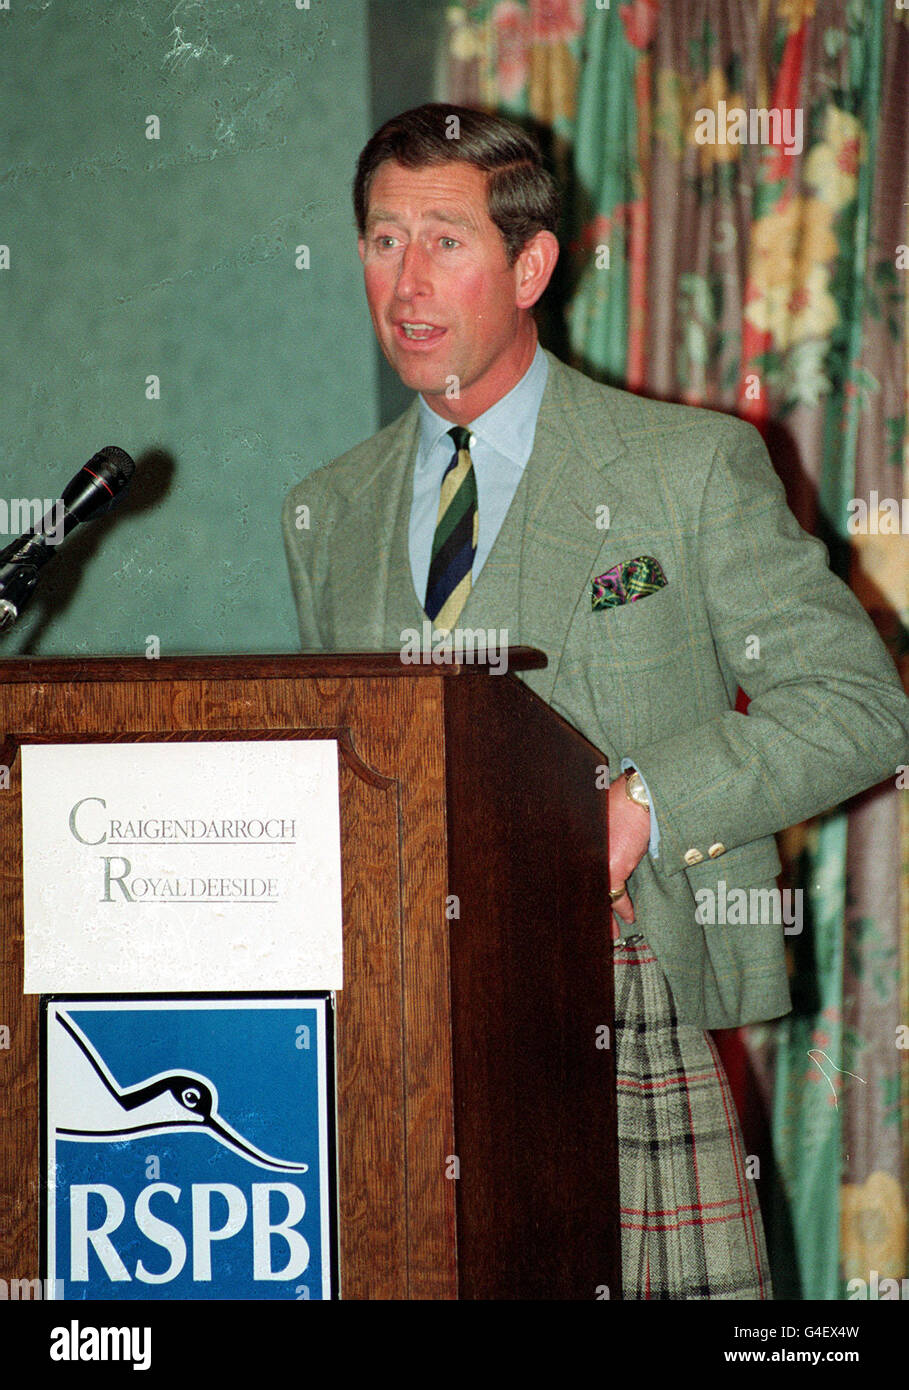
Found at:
[189, 1148]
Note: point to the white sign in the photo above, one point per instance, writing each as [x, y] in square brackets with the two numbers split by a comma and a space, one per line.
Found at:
[178, 867]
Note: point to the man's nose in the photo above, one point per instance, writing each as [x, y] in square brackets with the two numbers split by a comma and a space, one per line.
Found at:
[414, 273]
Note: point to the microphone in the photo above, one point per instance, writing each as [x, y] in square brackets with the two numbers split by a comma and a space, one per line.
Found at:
[96, 488]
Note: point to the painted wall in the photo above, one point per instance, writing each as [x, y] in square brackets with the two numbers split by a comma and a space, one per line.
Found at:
[173, 258]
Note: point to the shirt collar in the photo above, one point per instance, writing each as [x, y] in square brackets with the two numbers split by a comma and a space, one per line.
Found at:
[508, 426]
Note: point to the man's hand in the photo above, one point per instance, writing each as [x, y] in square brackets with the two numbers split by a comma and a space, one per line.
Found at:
[629, 836]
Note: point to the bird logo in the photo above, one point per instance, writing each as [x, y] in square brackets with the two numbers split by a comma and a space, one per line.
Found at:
[88, 1105]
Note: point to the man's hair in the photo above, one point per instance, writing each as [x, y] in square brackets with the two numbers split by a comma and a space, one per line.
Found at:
[521, 196]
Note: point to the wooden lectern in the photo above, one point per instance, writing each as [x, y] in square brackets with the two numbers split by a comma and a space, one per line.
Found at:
[477, 958]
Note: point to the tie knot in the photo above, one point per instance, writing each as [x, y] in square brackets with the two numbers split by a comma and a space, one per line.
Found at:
[461, 436]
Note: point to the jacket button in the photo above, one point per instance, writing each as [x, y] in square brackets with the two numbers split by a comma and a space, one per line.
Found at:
[716, 849]
[693, 856]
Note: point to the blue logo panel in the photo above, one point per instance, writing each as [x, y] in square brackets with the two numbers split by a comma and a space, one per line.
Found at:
[189, 1147]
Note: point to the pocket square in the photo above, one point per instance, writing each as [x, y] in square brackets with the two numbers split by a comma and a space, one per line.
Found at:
[632, 579]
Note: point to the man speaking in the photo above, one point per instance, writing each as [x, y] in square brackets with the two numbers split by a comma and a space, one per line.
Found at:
[647, 549]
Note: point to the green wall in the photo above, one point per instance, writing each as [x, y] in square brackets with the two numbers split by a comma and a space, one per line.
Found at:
[132, 257]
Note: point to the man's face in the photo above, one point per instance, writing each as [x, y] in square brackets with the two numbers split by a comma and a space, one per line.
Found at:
[446, 306]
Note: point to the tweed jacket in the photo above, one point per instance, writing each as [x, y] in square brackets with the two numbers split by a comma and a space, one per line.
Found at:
[749, 600]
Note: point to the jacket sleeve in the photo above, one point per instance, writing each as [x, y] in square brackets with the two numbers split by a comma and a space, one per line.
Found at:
[827, 718]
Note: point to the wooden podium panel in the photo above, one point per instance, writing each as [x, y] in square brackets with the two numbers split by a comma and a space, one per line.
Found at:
[475, 1111]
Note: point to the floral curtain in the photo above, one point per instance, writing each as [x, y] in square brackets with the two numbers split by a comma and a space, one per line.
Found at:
[764, 276]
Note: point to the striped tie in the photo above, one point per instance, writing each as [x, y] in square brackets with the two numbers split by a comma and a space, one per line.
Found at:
[455, 542]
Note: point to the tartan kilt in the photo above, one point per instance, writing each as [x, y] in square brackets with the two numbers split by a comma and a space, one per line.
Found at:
[690, 1221]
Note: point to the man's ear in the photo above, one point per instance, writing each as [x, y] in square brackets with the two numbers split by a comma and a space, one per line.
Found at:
[533, 268]
[361, 248]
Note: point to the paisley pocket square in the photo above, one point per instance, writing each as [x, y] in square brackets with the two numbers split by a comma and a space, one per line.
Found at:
[633, 579]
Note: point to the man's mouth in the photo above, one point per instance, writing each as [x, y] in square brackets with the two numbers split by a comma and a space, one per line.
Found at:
[416, 332]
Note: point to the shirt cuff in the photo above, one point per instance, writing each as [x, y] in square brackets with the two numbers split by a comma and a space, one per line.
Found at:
[654, 846]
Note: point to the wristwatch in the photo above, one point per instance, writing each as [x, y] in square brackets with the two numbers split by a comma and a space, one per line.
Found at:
[636, 791]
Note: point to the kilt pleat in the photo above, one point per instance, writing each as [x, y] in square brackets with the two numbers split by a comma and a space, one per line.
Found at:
[690, 1221]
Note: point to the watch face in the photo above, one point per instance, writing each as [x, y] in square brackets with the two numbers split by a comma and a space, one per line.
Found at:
[634, 786]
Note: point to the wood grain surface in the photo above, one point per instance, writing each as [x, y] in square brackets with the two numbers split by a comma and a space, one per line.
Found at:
[457, 782]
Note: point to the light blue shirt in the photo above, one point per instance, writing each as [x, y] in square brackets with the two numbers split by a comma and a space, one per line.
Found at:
[501, 444]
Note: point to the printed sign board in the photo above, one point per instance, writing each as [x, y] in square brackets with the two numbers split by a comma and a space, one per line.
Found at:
[179, 867]
[189, 1148]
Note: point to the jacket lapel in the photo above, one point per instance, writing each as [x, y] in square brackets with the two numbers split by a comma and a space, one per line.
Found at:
[400, 606]
[564, 535]
[370, 595]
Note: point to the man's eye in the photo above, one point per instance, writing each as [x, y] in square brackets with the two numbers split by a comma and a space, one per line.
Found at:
[383, 242]
[448, 242]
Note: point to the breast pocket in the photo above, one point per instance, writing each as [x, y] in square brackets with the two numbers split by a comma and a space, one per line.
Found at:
[646, 628]
[657, 656]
